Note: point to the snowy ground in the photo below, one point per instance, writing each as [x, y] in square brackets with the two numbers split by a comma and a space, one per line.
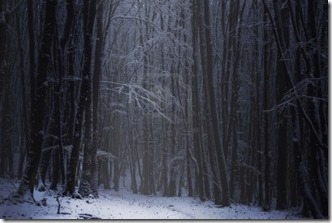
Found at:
[126, 205]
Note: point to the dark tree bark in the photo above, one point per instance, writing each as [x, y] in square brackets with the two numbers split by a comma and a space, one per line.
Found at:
[64, 112]
[68, 25]
[95, 99]
[50, 142]
[6, 129]
[267, 150]
[116, 151]
[38, 101]
[3, 41]
[172, 173]
[148, 153]
[6, 95]
[88, 21]
[32, 46]
[25, 94]
[69, 45]
[214, 117]
[318, 137]
[196, 106]
[282, 21]
[85, 93]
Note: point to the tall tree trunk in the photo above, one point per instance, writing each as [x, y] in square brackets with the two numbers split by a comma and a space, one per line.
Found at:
[25, 112]
[214, 117]
[282, 21]
[267, 150]
[38, 101]
[3, 44]
[95, 100]
[88, 21]
[89, 12]
[196, 106]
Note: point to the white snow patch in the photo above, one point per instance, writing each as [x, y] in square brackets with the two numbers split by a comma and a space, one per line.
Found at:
[126, 205]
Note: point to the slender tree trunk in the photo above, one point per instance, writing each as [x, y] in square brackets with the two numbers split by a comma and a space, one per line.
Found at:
[4, 87]
[88, 21]
[32, 46]
[50, 142]
[25, 112]
[95, 100]
[173, 145]
[89, 12]
[267, 155]
[3, 44]
[214, 116]
[196, 107]
[282, 22]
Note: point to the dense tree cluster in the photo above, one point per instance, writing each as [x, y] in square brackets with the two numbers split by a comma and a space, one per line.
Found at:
[223, 100]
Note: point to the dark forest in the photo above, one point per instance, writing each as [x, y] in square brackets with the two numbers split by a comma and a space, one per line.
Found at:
[225, 101]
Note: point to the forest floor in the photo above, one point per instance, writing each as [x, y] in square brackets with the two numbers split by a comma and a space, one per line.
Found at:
[125, 205]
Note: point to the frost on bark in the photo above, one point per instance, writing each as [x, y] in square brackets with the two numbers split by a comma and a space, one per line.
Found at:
[89, 15]
[85, 184]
